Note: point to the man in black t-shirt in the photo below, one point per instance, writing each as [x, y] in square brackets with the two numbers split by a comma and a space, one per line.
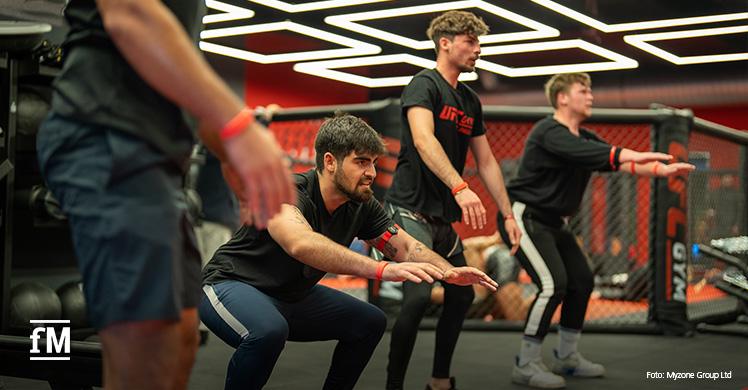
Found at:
[260, 288]
[556, 165]
[441, 119]
[114, 150]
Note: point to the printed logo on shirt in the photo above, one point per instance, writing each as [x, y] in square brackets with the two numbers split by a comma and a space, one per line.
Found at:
[464, 123]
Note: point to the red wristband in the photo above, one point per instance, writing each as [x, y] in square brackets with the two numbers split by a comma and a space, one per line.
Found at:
[613, 157]
[654, 170]
[459, 188]
[380, 268]
[508, 217]
[633, 168]
[237, 124]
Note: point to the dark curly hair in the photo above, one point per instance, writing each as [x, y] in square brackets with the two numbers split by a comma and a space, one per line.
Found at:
[343, 134]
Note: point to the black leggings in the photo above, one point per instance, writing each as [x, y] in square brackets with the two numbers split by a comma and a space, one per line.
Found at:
[417, 297]
[551, 256]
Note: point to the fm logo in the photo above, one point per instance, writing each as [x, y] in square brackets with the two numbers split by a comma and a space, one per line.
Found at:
[58, 347]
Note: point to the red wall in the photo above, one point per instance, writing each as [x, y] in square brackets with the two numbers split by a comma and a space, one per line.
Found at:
[280, 84]
[730, 116]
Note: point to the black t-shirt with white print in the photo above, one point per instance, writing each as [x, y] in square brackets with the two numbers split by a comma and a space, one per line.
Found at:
[458, 116]
[253, 257]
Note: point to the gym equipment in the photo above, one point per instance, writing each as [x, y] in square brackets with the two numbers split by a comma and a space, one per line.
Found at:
[43, 204]
[21, 36]
[32, 301]
[73, 304]
[734, 281]
[23, 57]
[49, 54]
[31, 111]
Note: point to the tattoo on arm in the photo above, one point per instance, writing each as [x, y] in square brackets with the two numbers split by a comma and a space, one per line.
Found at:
[417, 251]
[389, 251]
[299, 218]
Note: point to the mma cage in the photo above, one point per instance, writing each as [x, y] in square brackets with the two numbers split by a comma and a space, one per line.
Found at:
[649, 242]
[641, 235]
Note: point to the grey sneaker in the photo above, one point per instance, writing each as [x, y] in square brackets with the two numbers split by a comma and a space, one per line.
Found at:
[536, 374]
[576, 365]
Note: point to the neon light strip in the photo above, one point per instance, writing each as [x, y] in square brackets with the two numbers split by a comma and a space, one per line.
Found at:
[231, 12]
[609, 28]
[641, 41]
[348, 21]
[325, 69]
[312, 6]
[617, 61]
[355, 47]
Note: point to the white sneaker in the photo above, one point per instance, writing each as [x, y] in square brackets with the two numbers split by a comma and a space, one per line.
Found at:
[536, 374]
[576, 365]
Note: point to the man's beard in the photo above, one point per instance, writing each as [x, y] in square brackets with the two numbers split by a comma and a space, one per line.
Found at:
[358, 196]
[466, 69]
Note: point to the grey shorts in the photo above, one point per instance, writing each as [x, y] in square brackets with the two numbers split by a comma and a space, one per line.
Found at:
[134, 243]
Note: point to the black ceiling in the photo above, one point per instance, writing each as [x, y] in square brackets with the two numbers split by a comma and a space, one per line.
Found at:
[651, 68]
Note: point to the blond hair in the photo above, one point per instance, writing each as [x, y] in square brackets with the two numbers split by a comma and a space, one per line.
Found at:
[562, 82]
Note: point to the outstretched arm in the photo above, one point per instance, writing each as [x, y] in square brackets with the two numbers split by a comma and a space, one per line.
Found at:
[657, 169]
[402, 247]
[292, 232]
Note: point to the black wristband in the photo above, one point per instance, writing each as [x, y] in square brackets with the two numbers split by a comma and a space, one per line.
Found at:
[617, 158]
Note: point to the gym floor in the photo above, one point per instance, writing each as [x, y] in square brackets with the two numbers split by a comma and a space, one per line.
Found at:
[483, 360]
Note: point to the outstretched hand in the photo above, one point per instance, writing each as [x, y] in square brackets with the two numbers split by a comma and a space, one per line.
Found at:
[646, 157]
[465, 276]
[675, 169]
[412, 272]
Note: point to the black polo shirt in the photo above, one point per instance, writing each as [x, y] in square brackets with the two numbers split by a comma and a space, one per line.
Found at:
[458, 116]
[252, 256]
[98, 86]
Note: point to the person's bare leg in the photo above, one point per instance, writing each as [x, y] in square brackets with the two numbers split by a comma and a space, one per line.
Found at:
[141, 355]
[189, 340]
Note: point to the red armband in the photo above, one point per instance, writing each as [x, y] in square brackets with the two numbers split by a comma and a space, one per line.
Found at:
[459, 188]
[380, 268]
[237, 124]
[633, 168]
[654, 170]
[509, 217]
[387, 236]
